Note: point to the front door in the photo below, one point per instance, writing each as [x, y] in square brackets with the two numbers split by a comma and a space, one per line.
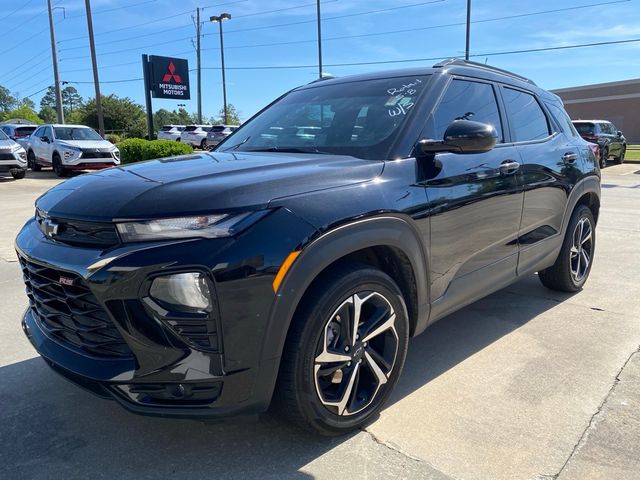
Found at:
[475, 201]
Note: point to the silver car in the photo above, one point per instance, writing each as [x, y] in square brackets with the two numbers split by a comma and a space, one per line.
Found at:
[13, 158]
[219, 133]
[195, 135]
[171, 132]
[19, 132]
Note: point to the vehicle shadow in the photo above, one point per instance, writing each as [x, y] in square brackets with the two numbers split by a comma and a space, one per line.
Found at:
[51, 429]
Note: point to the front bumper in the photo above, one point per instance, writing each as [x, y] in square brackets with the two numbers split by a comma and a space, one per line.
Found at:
[14, 163]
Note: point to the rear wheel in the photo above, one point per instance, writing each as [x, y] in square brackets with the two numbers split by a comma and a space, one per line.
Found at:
[32, 162]
[344, 352]
[604, 155]
[203, 144]
[59, 170]
[572, 267]
[620, 157]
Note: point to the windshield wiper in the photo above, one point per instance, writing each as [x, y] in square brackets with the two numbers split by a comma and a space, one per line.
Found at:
[288, 150]
[237, 145]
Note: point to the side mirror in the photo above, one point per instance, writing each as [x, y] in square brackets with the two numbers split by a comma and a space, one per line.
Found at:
[619, 133]
[462, 136]
[45, 139]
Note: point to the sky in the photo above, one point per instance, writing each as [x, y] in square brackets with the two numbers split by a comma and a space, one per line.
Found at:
[280, 34]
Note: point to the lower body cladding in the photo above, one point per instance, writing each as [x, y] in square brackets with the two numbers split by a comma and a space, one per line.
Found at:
[96, 319]
[90, 166]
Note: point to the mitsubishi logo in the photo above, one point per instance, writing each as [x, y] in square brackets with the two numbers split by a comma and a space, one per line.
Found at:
[50, 228]
[171, 75]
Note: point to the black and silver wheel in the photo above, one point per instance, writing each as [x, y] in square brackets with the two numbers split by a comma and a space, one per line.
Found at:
[572, 267]
[203, 144]
[59, 170]
[345, 351]
[18, 173]
[32, 163]
[604, 155]
[620, 157]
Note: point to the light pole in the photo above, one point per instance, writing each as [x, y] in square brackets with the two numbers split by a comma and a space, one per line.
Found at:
[219, 19]
[54, 58]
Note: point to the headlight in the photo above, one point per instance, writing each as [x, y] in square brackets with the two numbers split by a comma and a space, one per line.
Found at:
[181, 290]
[116, 153]
[205, 226]
[70, 151]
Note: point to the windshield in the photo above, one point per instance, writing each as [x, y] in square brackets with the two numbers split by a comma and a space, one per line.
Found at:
[361, 119]
[584, 128]
[76, 133]
[3, 136]
[24, 131]
[167, 128]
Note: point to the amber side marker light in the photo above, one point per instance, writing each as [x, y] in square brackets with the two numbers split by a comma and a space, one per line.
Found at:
[284, 268]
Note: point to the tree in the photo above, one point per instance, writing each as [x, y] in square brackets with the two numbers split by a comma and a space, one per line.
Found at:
[233, 116]
[7, 101]
[27, 102]
[121, 115]
[21, 112]
[71, 100]
[48, 114]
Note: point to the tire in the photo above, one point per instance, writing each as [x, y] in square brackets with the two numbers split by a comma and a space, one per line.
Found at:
[59, 170]
[569, 273]
[351, 391]
[203, 144]
[604, 155]
[32, 163]
[18, 173]
[178, 139]
[620, 158]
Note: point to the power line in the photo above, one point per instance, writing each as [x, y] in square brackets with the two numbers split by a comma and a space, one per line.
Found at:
[113, 9]
[114, 52]
[262, 14]
[22, 7]
[35, 93]
[335, 17]
[12, 72]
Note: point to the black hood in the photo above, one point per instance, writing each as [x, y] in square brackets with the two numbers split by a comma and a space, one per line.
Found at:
[196, 184]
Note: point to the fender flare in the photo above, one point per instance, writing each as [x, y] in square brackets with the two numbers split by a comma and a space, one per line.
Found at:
[389, 230]
[590, 184]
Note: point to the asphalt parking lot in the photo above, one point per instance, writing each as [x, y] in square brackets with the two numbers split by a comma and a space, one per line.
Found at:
[525, 384]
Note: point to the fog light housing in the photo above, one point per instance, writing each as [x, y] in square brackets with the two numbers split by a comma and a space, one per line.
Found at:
[182, 291]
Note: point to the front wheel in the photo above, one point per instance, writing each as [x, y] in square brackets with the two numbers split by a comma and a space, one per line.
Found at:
[203, 144]
[32, 163]
[604, 155]
[573, 265]
[620, 157]
[344, 352]
[59, 170]
[18, 173]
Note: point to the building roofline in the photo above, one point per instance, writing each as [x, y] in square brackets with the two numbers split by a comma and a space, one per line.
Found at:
[597, 85]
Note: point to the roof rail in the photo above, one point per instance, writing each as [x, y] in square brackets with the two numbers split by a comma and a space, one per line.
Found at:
[469, 63]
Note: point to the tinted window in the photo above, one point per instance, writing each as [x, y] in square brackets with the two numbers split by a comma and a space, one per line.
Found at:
[467, 100]
[527, 120]
[361, 119]
[46, 133]
[6, 130]
[563, 119]
[3, 136]
[217, 128]
[75, 133]
[190, 129]
[585, 128]
[166, 128]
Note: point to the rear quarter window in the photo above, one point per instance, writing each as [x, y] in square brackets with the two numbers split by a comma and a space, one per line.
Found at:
[526, 117]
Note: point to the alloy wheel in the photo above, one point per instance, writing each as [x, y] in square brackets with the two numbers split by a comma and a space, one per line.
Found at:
[356, 353]
[581, 250]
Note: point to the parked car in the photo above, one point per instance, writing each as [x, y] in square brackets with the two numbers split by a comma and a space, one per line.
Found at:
[294, 268]
[171, 132]
[19, 132]
[217, 133]
[195, 135]
[610, 140]
[13, 158]
[70, 147]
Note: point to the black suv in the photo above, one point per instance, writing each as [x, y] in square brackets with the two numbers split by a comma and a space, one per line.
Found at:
[610, 140]
[291, 265]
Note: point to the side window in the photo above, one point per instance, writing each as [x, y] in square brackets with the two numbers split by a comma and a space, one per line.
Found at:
[6, 130]
[526, 117]
[563, 120]
[605, 128]
[47, 133]
[467, 100]
[38, 132]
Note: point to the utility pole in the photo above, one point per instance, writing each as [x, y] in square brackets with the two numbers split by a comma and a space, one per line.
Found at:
[94, 62]
[199, 66]
[319, 40]
[219, 19]
[466, 50]
[54, 57]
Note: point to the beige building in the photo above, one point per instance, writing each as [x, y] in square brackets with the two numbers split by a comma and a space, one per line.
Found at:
[618, 102]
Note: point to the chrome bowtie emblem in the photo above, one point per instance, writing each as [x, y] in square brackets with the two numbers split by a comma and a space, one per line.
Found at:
[50, 227]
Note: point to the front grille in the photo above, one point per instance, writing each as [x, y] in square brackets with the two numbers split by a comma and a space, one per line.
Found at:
[67, 310]
[94, 154]
[79, 233]
[6, 156]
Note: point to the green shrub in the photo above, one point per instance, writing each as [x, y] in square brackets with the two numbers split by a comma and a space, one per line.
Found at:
[113, 138]
[137, 150]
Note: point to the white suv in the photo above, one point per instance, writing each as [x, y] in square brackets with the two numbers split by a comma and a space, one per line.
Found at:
[70, 147]
[170, 132]
[219, 133]
[13, 158]
[196, 135]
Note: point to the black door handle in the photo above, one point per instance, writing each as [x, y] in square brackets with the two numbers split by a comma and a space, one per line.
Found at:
[569, 157]
[509, 166]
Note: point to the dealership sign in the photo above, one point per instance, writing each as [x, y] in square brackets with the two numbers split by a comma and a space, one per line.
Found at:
[169, 77]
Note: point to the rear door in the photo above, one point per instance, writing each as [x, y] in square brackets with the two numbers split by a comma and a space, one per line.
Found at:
[476, 202]
[550, 165]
